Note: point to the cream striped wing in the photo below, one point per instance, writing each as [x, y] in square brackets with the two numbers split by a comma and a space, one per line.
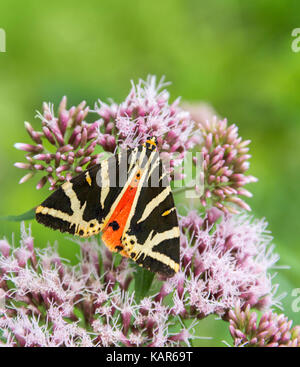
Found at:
[151, 236]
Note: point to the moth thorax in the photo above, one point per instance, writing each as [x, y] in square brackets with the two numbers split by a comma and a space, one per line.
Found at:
[151, 143]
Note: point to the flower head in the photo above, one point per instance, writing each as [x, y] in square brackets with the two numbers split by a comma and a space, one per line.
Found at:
[145, 112]
[227, 263]
[272, 330]
[63, 147]
[46, 302]
[225, 163]
[67, 144]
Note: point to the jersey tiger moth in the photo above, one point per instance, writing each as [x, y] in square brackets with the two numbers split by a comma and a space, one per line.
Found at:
[128, 198]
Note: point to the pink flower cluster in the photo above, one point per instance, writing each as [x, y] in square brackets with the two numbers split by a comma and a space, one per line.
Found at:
[67, 144]
[225, 162]
[146, 111]
[272, 330]
[45, 302]
[64, 147]
[226, 256]
[225, 259]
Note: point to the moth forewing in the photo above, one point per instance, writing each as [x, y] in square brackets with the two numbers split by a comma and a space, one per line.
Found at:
[146, 228]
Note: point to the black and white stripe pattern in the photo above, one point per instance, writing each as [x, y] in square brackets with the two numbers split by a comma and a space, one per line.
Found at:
[84, 206]
[151, 234]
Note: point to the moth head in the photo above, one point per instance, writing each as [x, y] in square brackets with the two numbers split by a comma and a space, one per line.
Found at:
[150, 143]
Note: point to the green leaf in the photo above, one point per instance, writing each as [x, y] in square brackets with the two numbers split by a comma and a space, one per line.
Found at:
[19, 218]
[143, 280]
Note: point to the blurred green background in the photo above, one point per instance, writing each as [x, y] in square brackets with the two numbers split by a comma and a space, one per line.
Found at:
[235, 55]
